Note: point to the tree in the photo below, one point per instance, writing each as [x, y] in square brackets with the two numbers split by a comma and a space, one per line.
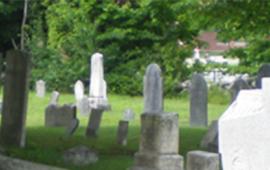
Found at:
[130, 34]
[245, 19]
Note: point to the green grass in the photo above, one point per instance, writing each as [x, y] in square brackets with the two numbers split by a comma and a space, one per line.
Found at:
[46, 145]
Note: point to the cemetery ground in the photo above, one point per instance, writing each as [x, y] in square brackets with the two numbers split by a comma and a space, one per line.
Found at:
[46, 145]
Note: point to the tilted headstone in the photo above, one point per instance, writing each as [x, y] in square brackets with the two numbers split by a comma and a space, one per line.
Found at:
[198, 101]
[54, 98]
[264, 71]
[97, 95]
[62, 116]
[210, 139]
[122, 132]
[15, 99]
[243, 130]
[159, 139]
[40, 88]
[239, 84]
[201, 160]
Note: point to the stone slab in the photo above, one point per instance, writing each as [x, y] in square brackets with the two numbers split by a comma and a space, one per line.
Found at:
[201, 160]
[8, 163]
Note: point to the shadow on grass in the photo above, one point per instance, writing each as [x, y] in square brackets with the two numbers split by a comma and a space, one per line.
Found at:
[46, 145]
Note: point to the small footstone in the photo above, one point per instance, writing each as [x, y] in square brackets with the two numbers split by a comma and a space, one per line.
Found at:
[200, 160]
[80, 156]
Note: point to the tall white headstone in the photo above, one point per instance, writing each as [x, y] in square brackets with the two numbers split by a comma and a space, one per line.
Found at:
[98, 87]
[40, 88]
[244, 131]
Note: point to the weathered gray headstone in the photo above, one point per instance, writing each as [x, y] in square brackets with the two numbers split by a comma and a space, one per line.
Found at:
[40, 88]
[54, 98]
[198, 101]
[201, 160]
[153, 99]
[264, 71]
[210, 139]
[62, 116]
[122, 132]
[238, 85]
[15, 99]
[159, 139]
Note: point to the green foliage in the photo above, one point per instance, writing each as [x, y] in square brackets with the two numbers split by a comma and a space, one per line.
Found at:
[253, 56]
[218, 95]
[130, 36]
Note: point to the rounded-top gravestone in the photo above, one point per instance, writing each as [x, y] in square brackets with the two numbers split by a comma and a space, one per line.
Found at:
[198, 101]
[153, 96]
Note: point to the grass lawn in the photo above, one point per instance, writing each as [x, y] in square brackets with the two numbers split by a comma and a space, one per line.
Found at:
[46, 145]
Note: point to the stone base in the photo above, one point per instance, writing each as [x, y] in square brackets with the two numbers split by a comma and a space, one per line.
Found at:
[158, 162]
[201, 160]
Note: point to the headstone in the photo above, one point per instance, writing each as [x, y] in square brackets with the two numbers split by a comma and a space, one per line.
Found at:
[84, 106]
[198, 101]
[8, 163]
[80, 156]
[15, 99]
[94, 123]
[122, 132]
[264, 71]
[201, 160]
[243, 135]
[62, 116]
[210, 139]
[54, 98]
[98, 88]
[79, 90]
[82, 101]
[239, 84]
[153, 90]
[128, 115]
[97, 95]
[159, 139]
[40, 88]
